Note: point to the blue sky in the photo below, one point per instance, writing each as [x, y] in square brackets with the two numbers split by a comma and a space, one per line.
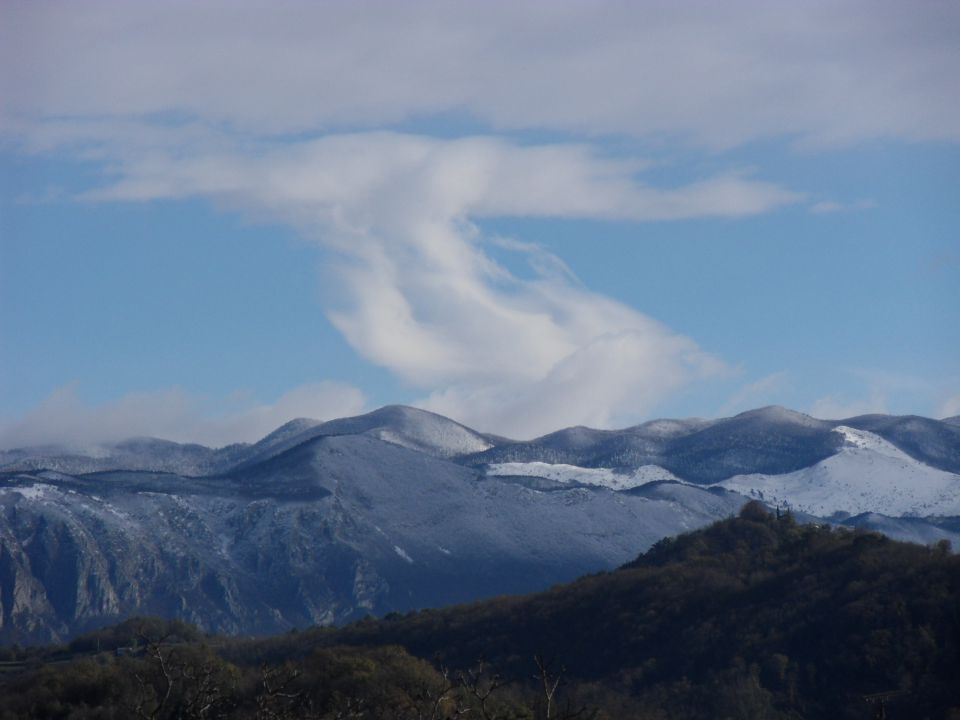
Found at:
[524, 218]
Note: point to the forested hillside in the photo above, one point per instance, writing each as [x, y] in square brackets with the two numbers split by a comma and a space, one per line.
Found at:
[754, 617]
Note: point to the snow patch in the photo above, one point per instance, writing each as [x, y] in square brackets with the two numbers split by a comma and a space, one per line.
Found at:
[853, 438]
[868, 474]
[444, 441]
[30, 492]
[574, 474]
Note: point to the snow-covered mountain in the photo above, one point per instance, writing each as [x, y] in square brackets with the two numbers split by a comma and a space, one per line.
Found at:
[867, 475]
[405, 426]
[327, 531]
[133, 454]
[400, 508]
[771, 440]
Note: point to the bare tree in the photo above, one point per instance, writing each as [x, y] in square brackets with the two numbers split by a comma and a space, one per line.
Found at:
[187, 683]
[549, 682]
[479, 683]
[154, 649]
[441, 698]
[275, 701]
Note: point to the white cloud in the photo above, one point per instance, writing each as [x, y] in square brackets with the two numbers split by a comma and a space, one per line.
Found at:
[714, 73]
[417, 291]
[884, 391]
[950, 407]
[826, 207]
[834, 408]
[63, 418]
[329, 179]
[757, 393]
[610, 381]
[185, 99]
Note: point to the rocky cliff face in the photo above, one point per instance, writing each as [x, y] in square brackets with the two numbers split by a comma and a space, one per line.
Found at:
[330, 531]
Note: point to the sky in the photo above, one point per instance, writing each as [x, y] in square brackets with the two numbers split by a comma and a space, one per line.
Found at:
[219, 216]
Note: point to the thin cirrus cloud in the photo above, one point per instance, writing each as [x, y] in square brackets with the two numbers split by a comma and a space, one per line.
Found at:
[825, 207]
[420, 294]
[764, 391]
[834, 408]
[63, 418]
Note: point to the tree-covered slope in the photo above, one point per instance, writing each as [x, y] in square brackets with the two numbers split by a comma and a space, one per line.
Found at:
[755, 611]
[752, 617]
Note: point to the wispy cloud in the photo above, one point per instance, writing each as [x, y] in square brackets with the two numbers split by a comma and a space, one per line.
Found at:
[467, 177]
[419, 294]
[826, 207]
[882, 391]
[764, 391]
[172, 414]
[831, 407]
[950, 407]
[249, 106]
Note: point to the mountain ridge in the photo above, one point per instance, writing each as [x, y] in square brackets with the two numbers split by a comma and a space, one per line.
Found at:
[320, 523]
[935, 442]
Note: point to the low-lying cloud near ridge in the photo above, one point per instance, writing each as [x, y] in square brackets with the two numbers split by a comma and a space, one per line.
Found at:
[63, 418]
[418, 291]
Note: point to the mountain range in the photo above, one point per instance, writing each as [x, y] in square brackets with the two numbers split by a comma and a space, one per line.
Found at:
[322, 523]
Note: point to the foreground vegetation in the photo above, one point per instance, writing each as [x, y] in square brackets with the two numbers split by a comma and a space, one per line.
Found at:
[754, 617]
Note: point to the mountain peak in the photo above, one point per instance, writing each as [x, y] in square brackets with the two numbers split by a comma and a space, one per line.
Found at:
[288, 429]
[412, 428]
[780, 414]
[666, 427]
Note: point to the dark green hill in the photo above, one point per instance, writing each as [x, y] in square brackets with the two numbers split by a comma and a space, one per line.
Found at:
[797, 619]
[754, 617]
